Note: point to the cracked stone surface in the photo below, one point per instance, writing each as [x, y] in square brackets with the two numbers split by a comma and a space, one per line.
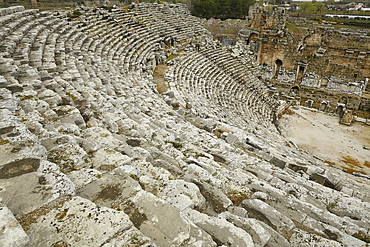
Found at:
[93, 155]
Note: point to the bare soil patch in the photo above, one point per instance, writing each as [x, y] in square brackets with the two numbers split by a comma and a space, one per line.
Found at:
[158, 78]
[323, 136]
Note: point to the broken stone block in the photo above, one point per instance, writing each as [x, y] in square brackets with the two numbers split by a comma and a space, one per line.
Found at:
[223, 231]
[12, 233]
[107, 160]
[66, 220]
[182, 194]
[68, 156]
[163, 222]
[259, 234]
[305, 239]
[278, 162]
[102, 137]
[264, 212]
[109, 190]
[83, 176]
[297, 167]
[326, 178]
[216, 200]
[347, 118]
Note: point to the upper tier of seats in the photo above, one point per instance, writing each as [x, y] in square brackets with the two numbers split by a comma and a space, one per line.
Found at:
[92, 155]
[98, 44]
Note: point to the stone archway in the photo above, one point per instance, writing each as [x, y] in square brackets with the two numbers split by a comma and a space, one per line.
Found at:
[294, 89]
[324, 105]
[340, 109]
[301, 70]
[343, 100]
[278, 64]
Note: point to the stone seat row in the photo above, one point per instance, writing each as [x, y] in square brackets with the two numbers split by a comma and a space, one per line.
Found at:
[87, 95]
[210, 83]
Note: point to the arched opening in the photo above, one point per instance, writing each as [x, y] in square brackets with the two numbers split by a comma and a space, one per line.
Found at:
[252, 37]
[323, 105]
[343, 100]
[294, 90]
[300, 71]
[340, 109]
[308, 103]
[278, 64]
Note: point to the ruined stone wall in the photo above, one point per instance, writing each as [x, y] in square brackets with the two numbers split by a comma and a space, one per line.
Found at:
[327, 61]
[318, 95]
[91, 154]
[262, 19]
[324, 63]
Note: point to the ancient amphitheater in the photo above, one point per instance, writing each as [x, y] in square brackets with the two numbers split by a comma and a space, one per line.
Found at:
[93, 155]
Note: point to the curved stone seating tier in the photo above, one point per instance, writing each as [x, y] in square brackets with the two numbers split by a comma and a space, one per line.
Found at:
[195, 75]
[93, 155]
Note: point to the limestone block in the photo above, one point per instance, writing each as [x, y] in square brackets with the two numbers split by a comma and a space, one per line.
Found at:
[68, 156]
[72, 117]
[220, 229]
[19, 167]
[88, 146]
[12, 234]
[68, 128]
[53, 141]
[305, 239]
[75, 222]
[51, 97]
[216, 200]
[350, 207]
[107, 160]
[8, 101]
[24, 193]
[171, 167]
[101, 136]
[326, 178]
[110, 189]
[231, 138]
[252, 226]
[278, 162]
[83, 176]
[264, 212]
[345, 239]
[182, 194]
[163, 223]
[57, 181]
[130, 237]
[199, 172]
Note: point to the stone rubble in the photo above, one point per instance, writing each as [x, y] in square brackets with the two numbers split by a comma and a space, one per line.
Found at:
[93, 155]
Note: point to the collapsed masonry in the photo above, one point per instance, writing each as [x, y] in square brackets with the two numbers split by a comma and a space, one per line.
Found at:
[317, 64]
[93, 155]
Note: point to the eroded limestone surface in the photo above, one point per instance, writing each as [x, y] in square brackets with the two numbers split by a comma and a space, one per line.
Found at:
[93, 155]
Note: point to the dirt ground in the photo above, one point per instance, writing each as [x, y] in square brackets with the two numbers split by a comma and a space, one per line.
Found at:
[158, 78]
[323, 136]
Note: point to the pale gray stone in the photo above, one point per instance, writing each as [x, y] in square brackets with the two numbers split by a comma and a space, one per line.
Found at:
[12, 234]
[302, 238]
[264, 212]
[163, 222]
[77, 217]
[68, 156]
[219, 228]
